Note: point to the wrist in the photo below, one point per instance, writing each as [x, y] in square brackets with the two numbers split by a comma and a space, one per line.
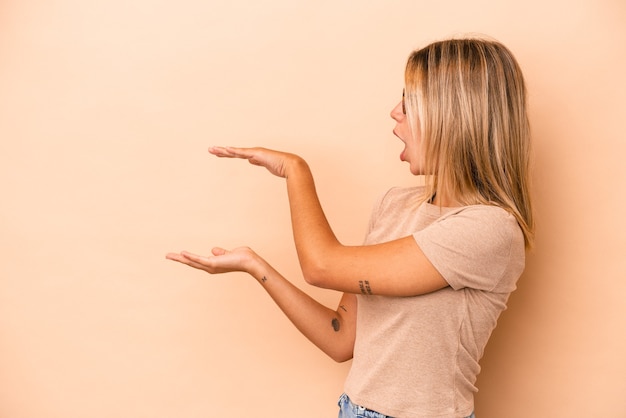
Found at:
[295, 165]
[256, 266]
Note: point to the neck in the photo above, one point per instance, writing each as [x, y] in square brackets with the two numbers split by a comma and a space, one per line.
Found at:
[444, 201]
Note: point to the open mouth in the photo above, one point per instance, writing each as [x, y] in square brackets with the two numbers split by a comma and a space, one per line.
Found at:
[402, 154]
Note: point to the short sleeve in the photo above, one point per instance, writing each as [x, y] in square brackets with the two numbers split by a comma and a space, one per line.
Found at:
[479, 247]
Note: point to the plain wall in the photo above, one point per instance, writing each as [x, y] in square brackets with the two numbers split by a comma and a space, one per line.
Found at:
[106, 112]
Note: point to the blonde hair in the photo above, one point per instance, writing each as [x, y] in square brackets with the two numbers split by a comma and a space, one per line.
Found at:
[468, 99]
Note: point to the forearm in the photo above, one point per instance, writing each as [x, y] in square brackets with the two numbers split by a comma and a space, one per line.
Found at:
[331, 331]
[394, 268]
[312, 233]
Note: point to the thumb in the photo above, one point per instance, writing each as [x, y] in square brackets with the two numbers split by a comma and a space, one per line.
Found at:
[218, 251]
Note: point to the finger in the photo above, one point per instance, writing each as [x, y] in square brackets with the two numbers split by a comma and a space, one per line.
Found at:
[185, 257]
[232, 152]
[174, 257]
[198, 266]
[179, 259]
[243, 152]
[220, 151]
[200, 259]
[191, 260]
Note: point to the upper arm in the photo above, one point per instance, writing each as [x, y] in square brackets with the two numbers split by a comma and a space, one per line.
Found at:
[395, 268]
[346, 325]
[477, 247]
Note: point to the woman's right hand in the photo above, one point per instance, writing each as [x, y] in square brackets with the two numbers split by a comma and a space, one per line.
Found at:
[276, 162]
[222, 261]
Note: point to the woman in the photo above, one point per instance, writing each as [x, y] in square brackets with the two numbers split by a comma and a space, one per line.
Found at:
[423, 294]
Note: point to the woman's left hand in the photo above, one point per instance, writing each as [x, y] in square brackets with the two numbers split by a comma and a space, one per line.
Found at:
[276, 162]
[222, 261]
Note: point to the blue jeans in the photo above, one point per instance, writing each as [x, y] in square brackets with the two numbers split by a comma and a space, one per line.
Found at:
[349, 410]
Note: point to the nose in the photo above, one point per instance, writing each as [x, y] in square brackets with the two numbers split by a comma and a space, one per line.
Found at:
[396, 113]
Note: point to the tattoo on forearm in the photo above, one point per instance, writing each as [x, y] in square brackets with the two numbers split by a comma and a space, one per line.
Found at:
[263, 279]
[365, 287]
[335, 324]
[344, 308]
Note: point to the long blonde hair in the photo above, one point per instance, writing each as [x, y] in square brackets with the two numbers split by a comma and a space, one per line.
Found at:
[469, 99]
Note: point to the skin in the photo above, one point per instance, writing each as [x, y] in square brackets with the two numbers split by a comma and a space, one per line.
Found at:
[402, 130]
[395, 268]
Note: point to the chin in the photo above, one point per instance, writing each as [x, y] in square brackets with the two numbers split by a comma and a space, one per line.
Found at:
[416, 171]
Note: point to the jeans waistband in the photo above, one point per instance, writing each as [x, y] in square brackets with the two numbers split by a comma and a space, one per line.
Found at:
[347, 409]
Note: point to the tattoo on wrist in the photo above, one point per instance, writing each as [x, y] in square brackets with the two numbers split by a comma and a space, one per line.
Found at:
[335, 324]
[365, 287]
[263, 279]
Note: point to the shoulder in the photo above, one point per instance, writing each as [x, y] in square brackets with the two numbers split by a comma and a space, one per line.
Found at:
[465, 240]
[481, 213]
[479, 226]
[484, 220]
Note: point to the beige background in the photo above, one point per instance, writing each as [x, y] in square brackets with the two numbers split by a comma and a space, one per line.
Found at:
[106, 111]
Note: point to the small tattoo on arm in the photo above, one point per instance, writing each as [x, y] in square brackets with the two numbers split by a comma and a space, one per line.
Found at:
[263, 279]
[335, 324]
[344, 308]
[365, 287]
